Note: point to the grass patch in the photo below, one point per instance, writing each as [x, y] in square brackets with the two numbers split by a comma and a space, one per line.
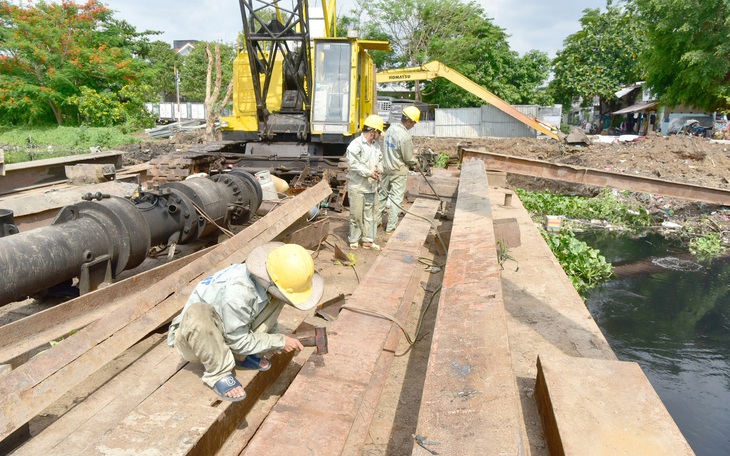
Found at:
[28, 144]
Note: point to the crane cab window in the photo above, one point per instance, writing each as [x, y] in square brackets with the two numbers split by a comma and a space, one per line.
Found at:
[332, 82]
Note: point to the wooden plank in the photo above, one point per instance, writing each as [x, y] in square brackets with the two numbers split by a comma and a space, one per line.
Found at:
[34, 331]
[320, 408]
[361, 426]
[470, 403]
[603, 408]
[241, 435]
[27, 390]
[77, 431]
[184, 417]
[37, 173]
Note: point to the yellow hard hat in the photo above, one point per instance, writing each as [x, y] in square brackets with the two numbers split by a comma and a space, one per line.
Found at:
[291, 268]
[375, 122]
[412, 113]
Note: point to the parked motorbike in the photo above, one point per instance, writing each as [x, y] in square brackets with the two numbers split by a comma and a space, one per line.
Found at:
[689, 127]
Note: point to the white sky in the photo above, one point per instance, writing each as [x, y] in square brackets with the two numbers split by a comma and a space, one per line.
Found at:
[531, 24]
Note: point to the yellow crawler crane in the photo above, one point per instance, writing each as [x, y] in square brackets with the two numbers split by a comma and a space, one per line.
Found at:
[300, 93]
[435, 69]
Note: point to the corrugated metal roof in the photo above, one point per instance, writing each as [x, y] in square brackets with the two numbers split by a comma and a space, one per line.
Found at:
[643, 106]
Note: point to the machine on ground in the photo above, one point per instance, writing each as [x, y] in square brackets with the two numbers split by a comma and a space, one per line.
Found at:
[300, 92]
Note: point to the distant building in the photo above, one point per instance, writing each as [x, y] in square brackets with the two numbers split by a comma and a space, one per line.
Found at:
[184, 47]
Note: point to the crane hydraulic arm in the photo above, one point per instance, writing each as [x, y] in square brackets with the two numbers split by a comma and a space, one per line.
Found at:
[435, 69]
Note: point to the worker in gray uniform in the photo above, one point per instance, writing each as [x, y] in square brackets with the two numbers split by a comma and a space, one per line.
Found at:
[397, 160]
[365, 162]
[230, 318]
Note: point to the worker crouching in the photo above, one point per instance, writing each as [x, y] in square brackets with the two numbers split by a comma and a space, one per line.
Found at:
[230, 318]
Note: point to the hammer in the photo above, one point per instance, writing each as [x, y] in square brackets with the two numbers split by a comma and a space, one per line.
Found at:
[316, 337]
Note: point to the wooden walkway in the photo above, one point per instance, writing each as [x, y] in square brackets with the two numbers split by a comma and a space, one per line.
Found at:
[470, 401]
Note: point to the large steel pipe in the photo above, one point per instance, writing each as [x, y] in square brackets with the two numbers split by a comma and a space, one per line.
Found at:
[97, 240]
[108, 236]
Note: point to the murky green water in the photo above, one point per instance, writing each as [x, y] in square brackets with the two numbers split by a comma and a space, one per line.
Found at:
[671, 315]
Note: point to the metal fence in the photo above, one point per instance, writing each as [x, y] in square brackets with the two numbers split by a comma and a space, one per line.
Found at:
[175, 111]
[485, 121]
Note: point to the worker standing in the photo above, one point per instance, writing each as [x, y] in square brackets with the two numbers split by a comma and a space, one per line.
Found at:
[230, 318]
[366, 165]
[397, 160]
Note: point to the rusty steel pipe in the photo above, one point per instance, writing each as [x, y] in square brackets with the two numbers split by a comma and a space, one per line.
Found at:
[110, 233]
[97, 240]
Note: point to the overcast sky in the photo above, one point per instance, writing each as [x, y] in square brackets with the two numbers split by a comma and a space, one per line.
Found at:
[531, 24]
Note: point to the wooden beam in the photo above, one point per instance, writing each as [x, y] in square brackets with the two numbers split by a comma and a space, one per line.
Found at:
[77, 431]
[200, 422]
[27, 390]
[325, 399]
[470, 403]
[603, 408]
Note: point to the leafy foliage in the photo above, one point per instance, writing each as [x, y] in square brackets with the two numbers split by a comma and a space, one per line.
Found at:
[463, 37]
[708, 246]
[161, 60]
[600, 58]
[194, 69]
[689, 61]
[605, 206]
[442, 160]
[49, 51]
[107, 109]
[585, 266]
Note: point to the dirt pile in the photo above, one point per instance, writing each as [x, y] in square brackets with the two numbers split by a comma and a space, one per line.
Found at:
[148, 149]
[685, 159]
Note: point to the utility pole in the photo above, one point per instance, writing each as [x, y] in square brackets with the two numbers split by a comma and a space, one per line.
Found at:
[177, 90]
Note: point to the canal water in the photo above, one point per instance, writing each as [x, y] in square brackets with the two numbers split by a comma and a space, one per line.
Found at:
[671, 314]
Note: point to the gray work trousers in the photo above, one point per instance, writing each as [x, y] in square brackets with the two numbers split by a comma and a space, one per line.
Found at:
[200, 338]
[392, 186]
[362, 217]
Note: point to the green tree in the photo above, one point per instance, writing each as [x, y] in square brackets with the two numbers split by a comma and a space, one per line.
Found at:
[48, 51]
[689, 61]
[463, 37]
[161, 59]
[194, 70]
[528, 76]
[600, 58]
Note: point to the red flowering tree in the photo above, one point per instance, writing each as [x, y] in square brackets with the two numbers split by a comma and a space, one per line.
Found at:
[49, 51]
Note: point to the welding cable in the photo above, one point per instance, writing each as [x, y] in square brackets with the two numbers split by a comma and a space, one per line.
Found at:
[206, 217]
[436, 231]
[411, 340]
[429, 183]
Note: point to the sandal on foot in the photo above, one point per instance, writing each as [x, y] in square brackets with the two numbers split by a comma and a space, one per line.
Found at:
[254, 363]
[372, 246]
[353, 246]
[226, 384]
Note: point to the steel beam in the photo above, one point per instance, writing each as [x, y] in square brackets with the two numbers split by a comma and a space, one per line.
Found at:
[588, 176]
[471, 403]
